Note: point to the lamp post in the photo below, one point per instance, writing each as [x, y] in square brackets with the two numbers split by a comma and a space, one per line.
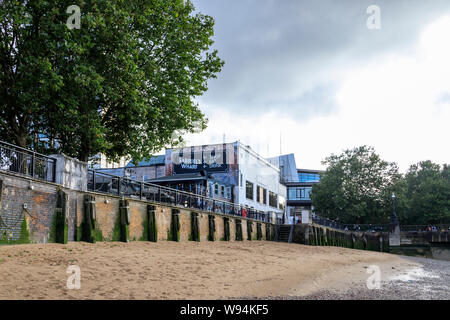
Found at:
[394, 219]
[394, 227]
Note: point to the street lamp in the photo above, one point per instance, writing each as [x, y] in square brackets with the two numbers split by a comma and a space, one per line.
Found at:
[394, 219]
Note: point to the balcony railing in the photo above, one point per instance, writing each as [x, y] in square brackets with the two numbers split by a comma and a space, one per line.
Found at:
[122, 186]
[26, 162]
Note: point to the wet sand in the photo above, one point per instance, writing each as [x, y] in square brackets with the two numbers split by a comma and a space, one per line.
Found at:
[220, 270]
[429, 280]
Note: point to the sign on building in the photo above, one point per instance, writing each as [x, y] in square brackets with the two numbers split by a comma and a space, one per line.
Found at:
[212, 158]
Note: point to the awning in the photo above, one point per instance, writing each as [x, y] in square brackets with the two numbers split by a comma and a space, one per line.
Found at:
[179, 177]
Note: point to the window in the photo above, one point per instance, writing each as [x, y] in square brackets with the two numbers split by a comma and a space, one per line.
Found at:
[308, 177]
[273, 199]
[261, 196]
[222, 191]
[302, 193]
[249, 190]
[228, 192]
[216, 189]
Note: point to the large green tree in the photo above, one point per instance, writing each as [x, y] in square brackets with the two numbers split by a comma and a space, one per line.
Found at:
[121, 84]
[356, 187]
[427, 192]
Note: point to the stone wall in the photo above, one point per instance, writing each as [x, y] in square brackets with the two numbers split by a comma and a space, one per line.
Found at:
[71, 173]
[324, 236]
[107, 208]
[423, 237]
[39, 198]
[33, 203]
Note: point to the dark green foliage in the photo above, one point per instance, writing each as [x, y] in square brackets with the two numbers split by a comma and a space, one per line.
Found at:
[226, 227]
[195, 229]
[239, 236]
[211, 227]
[356, 187]
[122, 84]
[426, 195]
[249, 230]
[174, 233]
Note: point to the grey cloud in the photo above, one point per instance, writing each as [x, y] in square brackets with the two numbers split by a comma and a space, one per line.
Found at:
[286, 55]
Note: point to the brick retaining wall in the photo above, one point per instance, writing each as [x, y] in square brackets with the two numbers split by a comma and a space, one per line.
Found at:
[40, 199]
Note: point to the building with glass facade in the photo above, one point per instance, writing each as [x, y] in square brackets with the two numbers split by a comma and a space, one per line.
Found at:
[299, 199]
[298, 183]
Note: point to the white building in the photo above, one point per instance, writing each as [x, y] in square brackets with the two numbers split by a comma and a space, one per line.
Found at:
[259, 182]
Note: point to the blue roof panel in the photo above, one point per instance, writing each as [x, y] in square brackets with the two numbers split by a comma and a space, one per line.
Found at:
[153, 161]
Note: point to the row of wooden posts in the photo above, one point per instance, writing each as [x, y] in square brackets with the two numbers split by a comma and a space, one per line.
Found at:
[89, 231]
[319, 236]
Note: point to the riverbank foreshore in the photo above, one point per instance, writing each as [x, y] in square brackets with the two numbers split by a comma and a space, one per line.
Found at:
[192, 270]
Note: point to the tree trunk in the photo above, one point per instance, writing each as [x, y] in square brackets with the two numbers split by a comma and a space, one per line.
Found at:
[83, 156]
[21, 139]
[83, 153]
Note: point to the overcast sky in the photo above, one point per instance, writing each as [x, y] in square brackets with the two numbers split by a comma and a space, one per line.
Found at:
[313, 73]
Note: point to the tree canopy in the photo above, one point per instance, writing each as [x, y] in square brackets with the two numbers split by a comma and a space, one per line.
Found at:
[121, 84]
[427, 193]
[356, 187]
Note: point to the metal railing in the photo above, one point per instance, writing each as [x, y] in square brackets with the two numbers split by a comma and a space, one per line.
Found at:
[366, 227]
[380, 227]
[349, 227]
[122, 186]
[26, 162]
[426, 228]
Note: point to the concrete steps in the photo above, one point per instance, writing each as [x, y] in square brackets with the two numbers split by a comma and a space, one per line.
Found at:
[284, 233]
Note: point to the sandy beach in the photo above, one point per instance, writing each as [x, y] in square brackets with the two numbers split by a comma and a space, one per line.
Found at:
[221, 270]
